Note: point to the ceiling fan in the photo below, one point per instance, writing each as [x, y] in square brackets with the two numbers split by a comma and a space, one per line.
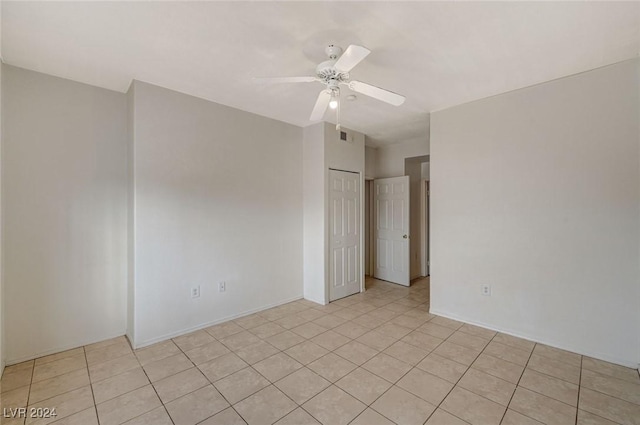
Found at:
[334, 73]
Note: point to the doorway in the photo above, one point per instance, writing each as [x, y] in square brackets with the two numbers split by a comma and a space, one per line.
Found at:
[344, 234]
[386, 258]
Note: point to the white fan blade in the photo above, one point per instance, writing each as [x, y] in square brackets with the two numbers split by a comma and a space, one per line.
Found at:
[377, 93]
[321, 106]
[287, 79]
[351, 57]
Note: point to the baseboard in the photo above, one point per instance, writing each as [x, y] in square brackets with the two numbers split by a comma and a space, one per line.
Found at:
[62, 348]
[206, 325]
[598, 356]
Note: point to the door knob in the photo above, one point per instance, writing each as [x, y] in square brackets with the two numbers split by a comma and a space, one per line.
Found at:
[405, 236]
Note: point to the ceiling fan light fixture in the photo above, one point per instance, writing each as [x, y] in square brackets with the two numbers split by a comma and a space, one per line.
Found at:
[333, 103]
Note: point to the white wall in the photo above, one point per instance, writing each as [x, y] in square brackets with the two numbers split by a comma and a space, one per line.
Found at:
[390, 160]
[2, 354]
[313, 166]
[64, 213]
[370, 162]
[537, 193]
[344, 155]
[131, 258]
[218, 197]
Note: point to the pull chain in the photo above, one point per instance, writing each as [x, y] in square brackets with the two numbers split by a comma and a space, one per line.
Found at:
[338, 113]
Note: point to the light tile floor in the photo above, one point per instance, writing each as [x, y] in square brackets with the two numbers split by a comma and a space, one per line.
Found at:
[370, 359]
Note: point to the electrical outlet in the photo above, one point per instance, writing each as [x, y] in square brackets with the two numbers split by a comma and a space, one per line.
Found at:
[485, 290]
[222, 286]
[195, 292]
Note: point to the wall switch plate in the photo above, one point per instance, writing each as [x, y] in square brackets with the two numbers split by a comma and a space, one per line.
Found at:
[195, 292]
[485, 290]
[222, 286]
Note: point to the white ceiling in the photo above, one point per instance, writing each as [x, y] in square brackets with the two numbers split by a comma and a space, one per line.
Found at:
[437, 54]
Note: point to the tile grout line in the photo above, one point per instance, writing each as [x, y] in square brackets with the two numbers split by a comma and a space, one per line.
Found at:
[65, 392]
[331, 383]
[304, 366]
[550, 376]
[93, 396]
[604, 375]
[604, 394]
[393, 384]
[248, 366]
[579, 389]
[580, 386]
[135, 389]
[554, 399]
[557, 360]
[75, 389]
[461, 376]
[577, 407]
[154, 390]
[33, 371]
[367, 406]
[205, 376]
[518, 384]
[231, 405]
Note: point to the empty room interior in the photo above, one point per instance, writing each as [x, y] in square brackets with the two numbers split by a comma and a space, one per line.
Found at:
[319, 213]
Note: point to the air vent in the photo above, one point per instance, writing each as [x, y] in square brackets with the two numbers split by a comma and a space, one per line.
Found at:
[343, 136]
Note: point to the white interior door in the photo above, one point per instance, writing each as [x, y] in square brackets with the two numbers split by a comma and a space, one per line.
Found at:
[344, 234]
[391, 203]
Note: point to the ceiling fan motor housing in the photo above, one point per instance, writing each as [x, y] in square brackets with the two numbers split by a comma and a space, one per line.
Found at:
[326, 70]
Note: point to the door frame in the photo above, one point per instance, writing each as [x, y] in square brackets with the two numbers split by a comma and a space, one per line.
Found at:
[368, 211]
[425, 207]
[372, 229]
[327, 250]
